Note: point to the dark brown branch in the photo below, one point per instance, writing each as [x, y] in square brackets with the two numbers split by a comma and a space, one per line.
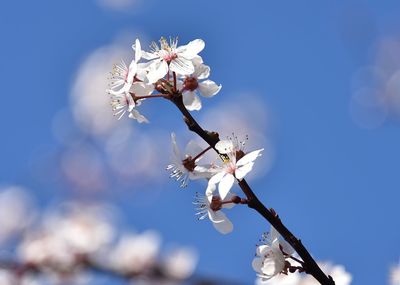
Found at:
[310, 266]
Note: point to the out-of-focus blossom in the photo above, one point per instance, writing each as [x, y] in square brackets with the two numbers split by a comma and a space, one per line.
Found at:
[171, 57]
[236, 165]
[184, 166]
[338, 273]
[90, 107]
[64, 237]
[16, 211]
[376, 87]
[135, 253]
[197, 82]
[394, 278]
[180, 263]
[210, 206]
[120, 5]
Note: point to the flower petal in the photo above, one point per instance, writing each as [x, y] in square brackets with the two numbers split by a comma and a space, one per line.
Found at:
[201, 71]
[182, 66]
[193, 148]
[191, 101]
[225, 185]
[148, 55]
[193, 48]
[250, 157]
[209, 88]
[142, 89]
[225, 226]
[210, 191]
[175, 147]
[217, 177]
[134, 114]
[157, 70]
[138, 50]
[241, 171]
[224, 146]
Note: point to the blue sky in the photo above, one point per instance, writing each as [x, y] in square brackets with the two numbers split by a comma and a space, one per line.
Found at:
[334, 178]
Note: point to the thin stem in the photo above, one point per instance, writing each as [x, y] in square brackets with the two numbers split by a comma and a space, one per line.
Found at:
[309, 264]
[201, 153]
[166, 96]
[175, 85]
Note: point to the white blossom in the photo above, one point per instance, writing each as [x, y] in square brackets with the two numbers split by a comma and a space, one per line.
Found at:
[395, 275]
[135, 253]
[232, 168]
[122, 76]
[197, 82]
[170, 57]
[180, 263]
[210, 206]
[125, 102]
[184, 166]
[270, 257]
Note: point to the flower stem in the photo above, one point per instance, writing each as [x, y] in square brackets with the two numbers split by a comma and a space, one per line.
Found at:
[151, 96]
[309, 264]
[201, 153]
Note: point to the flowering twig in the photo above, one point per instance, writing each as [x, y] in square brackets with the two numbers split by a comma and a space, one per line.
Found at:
[309, 264]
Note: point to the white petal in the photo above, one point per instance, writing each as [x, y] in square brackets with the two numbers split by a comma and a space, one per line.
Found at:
[138, 50]
[182, 65]
[225, 185]
[217, 177]
[142, 89]
[208, 88]
[257, 264]
[148, 55]
[193, 48]
[131, 73]
[134, 114]
[199, 174]
[243, 170]
[263, 249]
[250, 157]
[191, 101]
[210, 191]
[193, 148]
[225, 226]
[157, 70]
[224, 146]
[175, 147]
[197, 60]
[201, 71]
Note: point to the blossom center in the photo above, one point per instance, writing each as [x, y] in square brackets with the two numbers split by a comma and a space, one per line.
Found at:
[189, 163]
[216, 203]
[191, 83]
[170, 57]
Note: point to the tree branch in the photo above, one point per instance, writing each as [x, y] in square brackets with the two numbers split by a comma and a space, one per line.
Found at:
[310, 265]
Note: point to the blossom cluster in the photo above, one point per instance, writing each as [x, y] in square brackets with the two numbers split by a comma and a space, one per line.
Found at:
[63, 245]
[177, 73]
[179, 67]
[232, 164]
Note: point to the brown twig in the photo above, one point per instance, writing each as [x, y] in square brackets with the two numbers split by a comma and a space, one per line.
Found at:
[309, 264]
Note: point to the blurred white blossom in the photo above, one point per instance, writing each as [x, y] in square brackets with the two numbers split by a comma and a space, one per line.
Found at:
[180, 263]
[394, 278]
[135, 253]
[16, 211]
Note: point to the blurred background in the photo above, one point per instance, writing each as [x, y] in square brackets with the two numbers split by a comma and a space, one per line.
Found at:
[316, 83]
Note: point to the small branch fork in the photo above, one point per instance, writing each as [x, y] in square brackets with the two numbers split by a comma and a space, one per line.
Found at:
[309, 264]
